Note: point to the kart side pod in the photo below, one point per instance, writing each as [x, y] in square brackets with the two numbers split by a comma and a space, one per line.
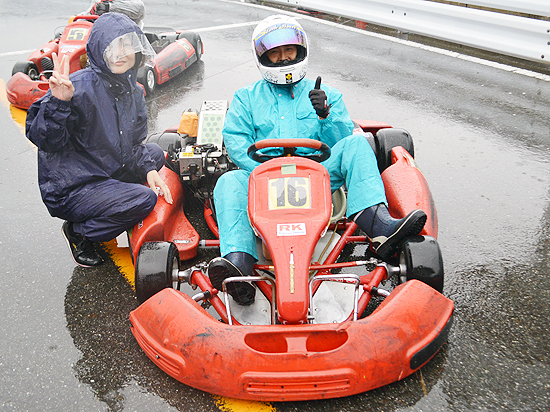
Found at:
[407, 189]
[290, 206]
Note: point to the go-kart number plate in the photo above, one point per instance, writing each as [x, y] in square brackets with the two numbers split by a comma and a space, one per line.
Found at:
[289, 193]
[77, 33]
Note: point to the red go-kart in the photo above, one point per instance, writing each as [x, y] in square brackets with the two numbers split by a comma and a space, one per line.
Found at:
[176, 51]
[317, 328]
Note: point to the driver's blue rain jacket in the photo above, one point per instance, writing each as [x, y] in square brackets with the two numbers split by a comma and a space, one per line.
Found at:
[266, 111]
[91, 163]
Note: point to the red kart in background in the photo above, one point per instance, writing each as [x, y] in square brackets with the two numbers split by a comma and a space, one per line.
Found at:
[176, 51]
[317, 328]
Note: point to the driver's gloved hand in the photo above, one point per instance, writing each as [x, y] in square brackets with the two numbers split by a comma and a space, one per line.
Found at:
[319, 101]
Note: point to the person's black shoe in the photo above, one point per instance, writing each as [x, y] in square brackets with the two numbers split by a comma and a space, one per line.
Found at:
[220, 269]
[410, 225]
[82, 250]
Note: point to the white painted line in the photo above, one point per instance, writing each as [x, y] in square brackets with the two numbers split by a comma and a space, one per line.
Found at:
[226, 26]
[16, 53]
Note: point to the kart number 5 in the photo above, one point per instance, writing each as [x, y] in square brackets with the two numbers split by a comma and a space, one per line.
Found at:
[77, 34]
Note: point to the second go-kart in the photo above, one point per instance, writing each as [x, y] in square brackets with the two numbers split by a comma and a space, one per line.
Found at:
[314, 331]
[176, 51]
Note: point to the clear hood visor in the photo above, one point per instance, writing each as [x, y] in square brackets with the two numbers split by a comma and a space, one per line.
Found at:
[130, 43]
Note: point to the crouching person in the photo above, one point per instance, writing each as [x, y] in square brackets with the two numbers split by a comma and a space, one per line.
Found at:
[89, 129]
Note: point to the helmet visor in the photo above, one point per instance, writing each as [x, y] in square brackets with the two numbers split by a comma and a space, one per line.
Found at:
[129, 43]
[279, 35]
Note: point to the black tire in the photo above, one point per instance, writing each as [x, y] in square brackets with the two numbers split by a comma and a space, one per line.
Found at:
[29, 68]
[148, 79]
[165, 139]
[195, 41]
[157, 264]
[198, 47]
[386, 140]
[421, 259]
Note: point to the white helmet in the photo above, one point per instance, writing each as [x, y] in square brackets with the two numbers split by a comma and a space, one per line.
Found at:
[274, 31]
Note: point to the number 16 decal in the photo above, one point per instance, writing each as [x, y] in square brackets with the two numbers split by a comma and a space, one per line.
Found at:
[289, 193]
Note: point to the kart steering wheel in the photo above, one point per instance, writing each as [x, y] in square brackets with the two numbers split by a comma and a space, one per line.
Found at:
[289, 149]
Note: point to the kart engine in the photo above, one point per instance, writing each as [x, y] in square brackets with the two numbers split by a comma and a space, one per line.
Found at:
[196, 151]
[200, 166]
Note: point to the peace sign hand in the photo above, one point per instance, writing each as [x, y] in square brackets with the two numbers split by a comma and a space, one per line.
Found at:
[60, 85]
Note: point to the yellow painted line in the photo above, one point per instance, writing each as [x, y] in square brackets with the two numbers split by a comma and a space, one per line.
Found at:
[123, 260]
[237, 405]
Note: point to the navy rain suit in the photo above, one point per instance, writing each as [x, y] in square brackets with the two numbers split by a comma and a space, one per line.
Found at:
[91, 163]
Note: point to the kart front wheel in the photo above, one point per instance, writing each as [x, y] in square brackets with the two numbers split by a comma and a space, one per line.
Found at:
[421, 259]
[29, 68]
[146, 76]
[157, 267]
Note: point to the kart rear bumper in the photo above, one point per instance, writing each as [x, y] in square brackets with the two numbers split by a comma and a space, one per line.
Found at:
[289, 363]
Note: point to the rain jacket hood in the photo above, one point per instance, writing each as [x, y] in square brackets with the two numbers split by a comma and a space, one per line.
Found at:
[107, 28]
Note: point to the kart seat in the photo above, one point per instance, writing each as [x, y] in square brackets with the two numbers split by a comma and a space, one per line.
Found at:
[339, 205]
[152, 37]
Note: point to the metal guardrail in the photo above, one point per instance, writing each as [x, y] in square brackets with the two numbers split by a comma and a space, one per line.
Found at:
[511, 35]
[534, 7]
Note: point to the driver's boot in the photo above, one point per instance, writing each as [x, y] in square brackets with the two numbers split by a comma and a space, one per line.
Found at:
[384, 231]
[231, 265]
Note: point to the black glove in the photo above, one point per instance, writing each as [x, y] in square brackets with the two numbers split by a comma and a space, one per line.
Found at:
[102, 7]
[319, 100]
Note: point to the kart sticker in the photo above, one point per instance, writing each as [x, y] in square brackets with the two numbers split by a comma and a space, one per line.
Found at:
[68, 48]
[77, 34]
[291, 229]
[288, 77]
[184, 44]
[289, 193]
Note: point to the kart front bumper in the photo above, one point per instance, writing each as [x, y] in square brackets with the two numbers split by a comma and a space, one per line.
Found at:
[289, 363]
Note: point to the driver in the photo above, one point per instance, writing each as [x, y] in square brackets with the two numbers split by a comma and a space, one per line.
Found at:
[284, 104]
[135, 9]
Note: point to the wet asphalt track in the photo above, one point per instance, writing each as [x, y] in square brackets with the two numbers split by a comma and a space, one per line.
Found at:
[482, 137]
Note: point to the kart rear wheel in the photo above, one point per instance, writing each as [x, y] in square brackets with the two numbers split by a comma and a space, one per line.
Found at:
[157, 267]
[198, 47]
[29, 68]
[386, 140]
[421, 259]
[195, 41]
[165, 139]
[146, 76]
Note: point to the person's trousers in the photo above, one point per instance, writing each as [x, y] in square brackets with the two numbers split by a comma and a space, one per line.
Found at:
[102, 210]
